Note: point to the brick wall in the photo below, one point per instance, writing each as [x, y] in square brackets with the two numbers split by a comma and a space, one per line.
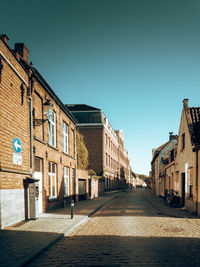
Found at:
[14, 118]
[93, 138]
[49, 153]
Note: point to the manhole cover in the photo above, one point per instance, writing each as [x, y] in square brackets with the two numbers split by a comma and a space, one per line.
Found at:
[173, 229]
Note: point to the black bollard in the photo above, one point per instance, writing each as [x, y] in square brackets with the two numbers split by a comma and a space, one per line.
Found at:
[72, 209]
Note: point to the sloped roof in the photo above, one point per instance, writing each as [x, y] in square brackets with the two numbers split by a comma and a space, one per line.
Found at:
[193, 120]
[85, 114]
[161, 147]
[157, 151]
[81, 107]
[52, 93]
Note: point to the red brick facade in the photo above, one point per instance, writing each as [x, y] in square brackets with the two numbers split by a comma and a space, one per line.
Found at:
[48, 146]
[107, 155]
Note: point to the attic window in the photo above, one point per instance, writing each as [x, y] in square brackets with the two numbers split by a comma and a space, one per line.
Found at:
[183, 141]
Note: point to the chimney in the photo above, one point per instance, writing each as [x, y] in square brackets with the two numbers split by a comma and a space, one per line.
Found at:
[23, 51]
[185, 103]
[4, 37]
[171, 136]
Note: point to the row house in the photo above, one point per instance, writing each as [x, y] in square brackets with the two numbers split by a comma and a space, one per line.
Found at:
[159, 161]
[182, 172]
[107, 155]
[124, 162]
[37, 141]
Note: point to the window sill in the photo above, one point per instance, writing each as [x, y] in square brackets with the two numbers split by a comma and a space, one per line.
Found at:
[66, 154]
[39, 140]
[52, 199]
[53, 147]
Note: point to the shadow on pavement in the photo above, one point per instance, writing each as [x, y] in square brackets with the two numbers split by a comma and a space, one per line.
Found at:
[122, 251]
[17, 247]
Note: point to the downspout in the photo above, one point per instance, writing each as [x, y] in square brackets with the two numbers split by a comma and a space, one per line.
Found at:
[31, 135]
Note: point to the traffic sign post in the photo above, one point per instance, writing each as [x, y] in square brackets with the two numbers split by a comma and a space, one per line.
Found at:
[17, 145]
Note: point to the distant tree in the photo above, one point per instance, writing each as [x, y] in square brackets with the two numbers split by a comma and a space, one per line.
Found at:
[142, 176]
[82, 152]
[91, 172]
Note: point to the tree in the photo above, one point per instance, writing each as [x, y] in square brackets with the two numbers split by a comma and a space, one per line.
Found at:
[82, 152]
[142, 176]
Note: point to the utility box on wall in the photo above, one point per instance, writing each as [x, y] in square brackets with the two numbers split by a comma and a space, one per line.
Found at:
[34, 200]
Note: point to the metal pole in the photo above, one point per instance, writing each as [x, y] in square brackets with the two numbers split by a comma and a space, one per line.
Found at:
[72, 209]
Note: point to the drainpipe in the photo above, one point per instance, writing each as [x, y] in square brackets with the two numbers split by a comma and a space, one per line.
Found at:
[31, 135]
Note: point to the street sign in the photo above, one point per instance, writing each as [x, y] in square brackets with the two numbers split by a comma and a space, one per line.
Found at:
[17, 145]
[17, 159]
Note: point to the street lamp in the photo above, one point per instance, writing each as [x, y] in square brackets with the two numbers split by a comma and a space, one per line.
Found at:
[47, 110]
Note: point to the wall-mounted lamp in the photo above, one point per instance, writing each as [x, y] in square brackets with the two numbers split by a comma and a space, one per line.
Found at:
[48, 111]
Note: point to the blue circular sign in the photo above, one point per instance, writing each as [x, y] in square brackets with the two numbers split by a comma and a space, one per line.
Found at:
[17, 145]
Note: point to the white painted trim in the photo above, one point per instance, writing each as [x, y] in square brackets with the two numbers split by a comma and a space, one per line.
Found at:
[10, 64]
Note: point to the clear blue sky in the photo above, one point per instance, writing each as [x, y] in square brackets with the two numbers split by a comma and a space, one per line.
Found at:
[136, 60]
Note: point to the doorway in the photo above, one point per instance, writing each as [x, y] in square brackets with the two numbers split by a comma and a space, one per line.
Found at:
[38, 175]
[183, 189]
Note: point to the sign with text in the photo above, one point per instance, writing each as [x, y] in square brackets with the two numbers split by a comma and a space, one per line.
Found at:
[17, 159]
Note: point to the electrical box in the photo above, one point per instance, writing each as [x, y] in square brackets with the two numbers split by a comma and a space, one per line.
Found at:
[34, 200]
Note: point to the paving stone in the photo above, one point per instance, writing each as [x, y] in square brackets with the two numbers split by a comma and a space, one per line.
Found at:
[135, 229]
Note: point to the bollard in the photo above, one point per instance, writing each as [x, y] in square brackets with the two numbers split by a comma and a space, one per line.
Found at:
[72, 209]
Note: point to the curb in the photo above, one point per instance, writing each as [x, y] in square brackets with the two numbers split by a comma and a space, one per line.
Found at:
[67, 232]
[37, 253]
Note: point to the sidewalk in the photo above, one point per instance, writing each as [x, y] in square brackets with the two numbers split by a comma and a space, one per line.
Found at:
[159, 204]
[23, 241]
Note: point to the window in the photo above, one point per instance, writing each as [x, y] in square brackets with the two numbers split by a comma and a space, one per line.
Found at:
[172, 155]
[183, 141]
[73, 182]
[65, 137]
[191, 191]
[191, 183]
[72, 143]
[105, 139]
[66, 181]
[52, 129]
[52, 180]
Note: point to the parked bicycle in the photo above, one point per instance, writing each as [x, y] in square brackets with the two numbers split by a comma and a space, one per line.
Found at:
[172, 199]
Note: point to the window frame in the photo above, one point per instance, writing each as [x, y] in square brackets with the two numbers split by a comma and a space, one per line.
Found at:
[65, 138]
[51, 176]
[66, 171]
[52, 129]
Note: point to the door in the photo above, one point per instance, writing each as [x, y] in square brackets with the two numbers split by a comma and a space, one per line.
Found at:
[183, 189]
[38, 175]
[90, 188]
[82, 189]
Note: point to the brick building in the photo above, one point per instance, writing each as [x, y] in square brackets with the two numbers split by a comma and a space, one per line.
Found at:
[182, 172]
[107, 155]
[159, 162]
[37, 140]
[14, 135]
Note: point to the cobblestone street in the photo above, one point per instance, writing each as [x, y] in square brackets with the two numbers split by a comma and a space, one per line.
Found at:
[135, 229]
